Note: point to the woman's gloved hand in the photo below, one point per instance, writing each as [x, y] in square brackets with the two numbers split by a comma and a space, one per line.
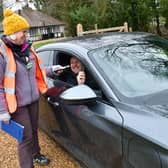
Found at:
[5, 117]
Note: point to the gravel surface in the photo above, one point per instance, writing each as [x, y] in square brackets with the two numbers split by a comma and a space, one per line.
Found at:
[59, 158]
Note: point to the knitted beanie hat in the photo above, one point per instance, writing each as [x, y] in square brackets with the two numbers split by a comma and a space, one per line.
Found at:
[13, 22]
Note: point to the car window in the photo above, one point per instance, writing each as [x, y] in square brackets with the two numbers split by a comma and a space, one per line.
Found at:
[64, 59]
[46, 57]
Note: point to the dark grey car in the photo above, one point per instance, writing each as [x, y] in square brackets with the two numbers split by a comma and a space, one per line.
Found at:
[123, 122]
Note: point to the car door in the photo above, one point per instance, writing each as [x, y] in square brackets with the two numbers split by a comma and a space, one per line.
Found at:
[92, 131]
[47, 116]
[95, 133]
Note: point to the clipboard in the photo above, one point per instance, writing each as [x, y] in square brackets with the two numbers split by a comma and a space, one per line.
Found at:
[14, 129]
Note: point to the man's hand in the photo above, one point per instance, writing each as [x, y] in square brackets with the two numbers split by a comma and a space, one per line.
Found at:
[81, 77]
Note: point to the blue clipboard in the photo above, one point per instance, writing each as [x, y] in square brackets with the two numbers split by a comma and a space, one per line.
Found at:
[14, 129]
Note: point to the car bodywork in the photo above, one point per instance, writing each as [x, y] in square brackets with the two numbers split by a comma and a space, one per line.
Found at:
[110, 127]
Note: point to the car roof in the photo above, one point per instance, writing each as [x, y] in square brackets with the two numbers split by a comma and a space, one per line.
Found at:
[90, 42]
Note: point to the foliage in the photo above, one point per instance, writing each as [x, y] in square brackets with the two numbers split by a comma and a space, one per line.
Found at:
[1, 11]
[164, 10]
[83, 15]
[137, 14]
[140, 14]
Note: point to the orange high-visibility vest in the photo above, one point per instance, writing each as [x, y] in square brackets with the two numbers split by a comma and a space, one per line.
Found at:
[9, 78]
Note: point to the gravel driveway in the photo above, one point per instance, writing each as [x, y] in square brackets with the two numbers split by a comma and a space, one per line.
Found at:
[59, 158]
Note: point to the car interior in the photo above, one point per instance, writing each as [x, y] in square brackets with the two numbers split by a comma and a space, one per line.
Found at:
[64, 59]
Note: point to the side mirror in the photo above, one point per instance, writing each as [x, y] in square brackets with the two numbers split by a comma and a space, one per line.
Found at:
[79, 94]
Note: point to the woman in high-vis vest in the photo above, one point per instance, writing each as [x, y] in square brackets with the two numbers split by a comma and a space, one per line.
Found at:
[22, 80]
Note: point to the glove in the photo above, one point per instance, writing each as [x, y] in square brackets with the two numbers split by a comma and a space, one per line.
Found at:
[5, 117]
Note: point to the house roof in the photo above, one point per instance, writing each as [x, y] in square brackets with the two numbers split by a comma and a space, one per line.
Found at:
[37, 19]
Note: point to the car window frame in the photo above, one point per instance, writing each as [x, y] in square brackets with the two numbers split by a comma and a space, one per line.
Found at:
[69, 54]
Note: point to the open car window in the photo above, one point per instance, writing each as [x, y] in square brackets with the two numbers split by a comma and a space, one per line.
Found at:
[64, 59]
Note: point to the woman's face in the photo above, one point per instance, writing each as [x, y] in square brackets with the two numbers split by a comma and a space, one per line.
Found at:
[76, 65]
[21, 37]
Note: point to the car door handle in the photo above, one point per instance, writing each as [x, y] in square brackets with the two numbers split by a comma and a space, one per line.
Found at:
[54, 103]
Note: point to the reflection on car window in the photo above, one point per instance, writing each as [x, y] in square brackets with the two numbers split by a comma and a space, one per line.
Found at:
[135, 68]
[46, 57]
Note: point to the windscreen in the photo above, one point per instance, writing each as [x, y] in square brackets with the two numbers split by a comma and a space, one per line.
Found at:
[135, 68]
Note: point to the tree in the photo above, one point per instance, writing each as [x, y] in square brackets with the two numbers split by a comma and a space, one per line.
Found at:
[155, 12]
[65, 10]
[164, 10]
[1, 10]
[138, 13]
[83, 15]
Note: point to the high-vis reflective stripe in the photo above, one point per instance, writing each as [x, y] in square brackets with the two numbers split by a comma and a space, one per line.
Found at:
[9, 90]
[9, 78]
[10, 74]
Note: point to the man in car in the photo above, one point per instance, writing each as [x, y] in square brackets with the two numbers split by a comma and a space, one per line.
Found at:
[75, 75]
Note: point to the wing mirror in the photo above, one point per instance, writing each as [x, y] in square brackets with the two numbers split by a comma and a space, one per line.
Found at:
[79, 94]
